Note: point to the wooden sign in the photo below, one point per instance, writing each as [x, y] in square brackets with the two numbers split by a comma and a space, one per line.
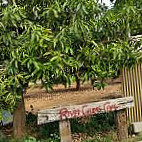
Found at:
[88, 109]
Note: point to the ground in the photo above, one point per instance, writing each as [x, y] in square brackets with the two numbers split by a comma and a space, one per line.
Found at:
[37, 98]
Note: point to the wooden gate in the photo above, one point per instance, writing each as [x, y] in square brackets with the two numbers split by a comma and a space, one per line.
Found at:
[132, 86]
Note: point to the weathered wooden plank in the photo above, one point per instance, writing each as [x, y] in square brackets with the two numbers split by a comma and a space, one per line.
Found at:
[67, 112]
[65, 131]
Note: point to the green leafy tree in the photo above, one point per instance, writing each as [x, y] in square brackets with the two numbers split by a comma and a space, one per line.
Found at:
[124, 19]
[72, 23]
[23, 48]
[57, 42]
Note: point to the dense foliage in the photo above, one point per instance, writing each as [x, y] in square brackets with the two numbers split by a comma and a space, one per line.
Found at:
[62, 41]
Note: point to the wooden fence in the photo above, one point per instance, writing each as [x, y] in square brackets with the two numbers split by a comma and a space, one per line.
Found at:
[132, 86]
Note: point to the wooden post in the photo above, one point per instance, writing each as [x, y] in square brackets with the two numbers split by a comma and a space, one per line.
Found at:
[121, 123]
[65, 131]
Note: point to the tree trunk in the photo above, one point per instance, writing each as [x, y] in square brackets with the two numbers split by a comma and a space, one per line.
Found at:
[77, 83]
[92, 82]
[19, 120]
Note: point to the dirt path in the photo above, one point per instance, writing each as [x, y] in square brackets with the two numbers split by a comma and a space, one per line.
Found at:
[38, 99]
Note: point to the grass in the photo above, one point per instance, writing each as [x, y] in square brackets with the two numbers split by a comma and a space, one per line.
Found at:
[100, 128]
[112, 137]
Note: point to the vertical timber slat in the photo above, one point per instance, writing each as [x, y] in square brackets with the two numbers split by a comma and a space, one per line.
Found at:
[127, 93]
[131, 92]
[136, 93]
[140, 72]
[133, 115]
[139, 89]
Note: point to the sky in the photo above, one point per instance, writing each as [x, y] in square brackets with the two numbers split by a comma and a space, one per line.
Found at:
[107, 2]
[4, 1]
